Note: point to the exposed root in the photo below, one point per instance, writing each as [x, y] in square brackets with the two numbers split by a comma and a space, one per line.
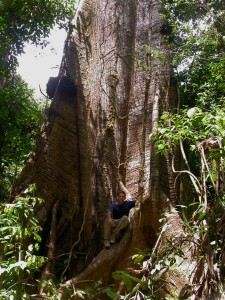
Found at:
[101, 267]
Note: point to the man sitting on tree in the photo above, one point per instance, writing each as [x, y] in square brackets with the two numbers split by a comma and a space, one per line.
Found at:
[117, 218]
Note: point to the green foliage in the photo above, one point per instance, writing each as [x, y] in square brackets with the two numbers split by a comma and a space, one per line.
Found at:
[20, 116]
[202, 131]
[128, 279]
[28, 21]
[93, 290]
[198, 49]
[145, 56]
[147, 280]
[198, 128]
[191, 126]
[198, 58]
[20, 120]
[19, 240]
[50, 289]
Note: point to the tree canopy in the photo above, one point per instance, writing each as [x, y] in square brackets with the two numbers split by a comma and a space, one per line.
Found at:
[22, 22]
[197, 50]
[28, 21]
[20, 119]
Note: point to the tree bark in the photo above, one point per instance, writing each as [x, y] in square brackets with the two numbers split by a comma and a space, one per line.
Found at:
[119, 62]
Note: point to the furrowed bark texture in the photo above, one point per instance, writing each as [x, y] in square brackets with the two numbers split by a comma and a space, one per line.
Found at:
[119, 61]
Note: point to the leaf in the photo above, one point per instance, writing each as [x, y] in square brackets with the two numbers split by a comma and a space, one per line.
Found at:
[194, 203]
[138, 258]
[2, 270]
[126, 278]
[202, 216]
[37, 237]
[127, 281]
[22, 264]
[111, 293]
[10, 252]
[191, 112]
[80, 294]
[30, 247]
[174, 266]
[182, 206]
[117, 276]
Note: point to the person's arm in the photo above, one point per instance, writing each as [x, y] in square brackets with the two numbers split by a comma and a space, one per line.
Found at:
[131, 199]
[110, 218]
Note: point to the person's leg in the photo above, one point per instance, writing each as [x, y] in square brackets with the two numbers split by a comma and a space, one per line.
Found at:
[107, 232]
[123, 223]
[120, 224]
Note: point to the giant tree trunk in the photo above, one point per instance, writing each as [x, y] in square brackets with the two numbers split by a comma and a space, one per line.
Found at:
[102, 134]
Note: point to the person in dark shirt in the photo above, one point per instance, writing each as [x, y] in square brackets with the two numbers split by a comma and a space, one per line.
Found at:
[117, 218]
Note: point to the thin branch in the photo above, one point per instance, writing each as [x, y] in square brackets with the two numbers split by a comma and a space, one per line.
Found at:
[122, 186]
[202, 152]
[193, 178]
[42, 92]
